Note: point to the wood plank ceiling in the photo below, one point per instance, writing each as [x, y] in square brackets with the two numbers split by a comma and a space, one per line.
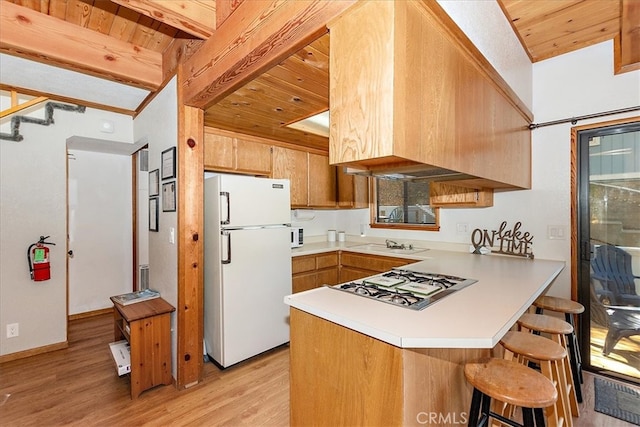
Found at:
[297, 87]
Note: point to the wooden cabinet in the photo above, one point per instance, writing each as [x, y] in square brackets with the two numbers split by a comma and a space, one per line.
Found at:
[312, 271]
[355, 266]
[146, 326]
[408, 89]
[313, 180]
[292, 165]
[353, 190]
[322, 181]
[448, 195]
[388, 385]
[226, 152]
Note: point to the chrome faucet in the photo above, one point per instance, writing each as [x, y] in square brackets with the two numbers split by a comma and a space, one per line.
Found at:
[395, 245]
[391, 244]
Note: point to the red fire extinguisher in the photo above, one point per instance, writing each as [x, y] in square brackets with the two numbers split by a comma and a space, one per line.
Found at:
[38, 257]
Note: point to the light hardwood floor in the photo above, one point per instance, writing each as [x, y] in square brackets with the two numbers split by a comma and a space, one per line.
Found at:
[79, 386]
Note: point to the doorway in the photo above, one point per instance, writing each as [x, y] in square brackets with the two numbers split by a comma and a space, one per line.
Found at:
[99, 212]
[607, 200]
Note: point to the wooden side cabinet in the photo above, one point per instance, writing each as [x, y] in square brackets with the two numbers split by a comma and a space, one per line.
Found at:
[146, 326]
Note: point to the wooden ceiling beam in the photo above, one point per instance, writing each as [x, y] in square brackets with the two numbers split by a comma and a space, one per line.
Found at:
[195, 17]
[255, 37]
[629, 39]
[39, 37]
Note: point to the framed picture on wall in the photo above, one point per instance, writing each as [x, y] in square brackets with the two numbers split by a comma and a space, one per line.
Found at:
[169, 163]
[169, 196]
[153, 214]
[154, 183]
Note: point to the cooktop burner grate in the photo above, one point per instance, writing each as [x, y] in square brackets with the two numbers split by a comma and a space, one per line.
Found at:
[396, 287]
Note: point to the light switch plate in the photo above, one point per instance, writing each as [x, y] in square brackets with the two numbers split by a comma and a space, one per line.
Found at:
[556, 232]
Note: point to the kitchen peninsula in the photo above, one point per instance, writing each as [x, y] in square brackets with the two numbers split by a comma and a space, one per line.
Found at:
[358, 361]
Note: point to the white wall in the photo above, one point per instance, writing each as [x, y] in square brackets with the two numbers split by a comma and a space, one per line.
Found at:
[158, 124]
[33, 202]
[486, 26]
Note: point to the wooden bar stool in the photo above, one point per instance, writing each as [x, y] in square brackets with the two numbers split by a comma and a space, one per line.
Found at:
[512, 383]
[570, 309]
[557, 329]
[525, 347]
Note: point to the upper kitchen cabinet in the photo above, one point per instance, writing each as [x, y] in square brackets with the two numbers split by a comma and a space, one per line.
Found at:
[322, 181]
[353, 190]
[313, 180]
[226, 152]
[409, 92]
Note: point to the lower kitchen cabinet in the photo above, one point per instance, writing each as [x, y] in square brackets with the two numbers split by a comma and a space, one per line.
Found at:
[312, 271]
[355, 266]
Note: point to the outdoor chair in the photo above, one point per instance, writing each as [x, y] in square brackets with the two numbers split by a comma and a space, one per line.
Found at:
[621, 321]
[612, 268]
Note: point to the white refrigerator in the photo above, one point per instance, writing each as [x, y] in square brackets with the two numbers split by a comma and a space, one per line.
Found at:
[247, 266]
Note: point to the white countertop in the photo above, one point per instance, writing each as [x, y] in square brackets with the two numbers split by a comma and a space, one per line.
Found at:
[323, 247]
[477, 316]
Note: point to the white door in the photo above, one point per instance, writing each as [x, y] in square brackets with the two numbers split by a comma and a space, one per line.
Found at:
[100, 229]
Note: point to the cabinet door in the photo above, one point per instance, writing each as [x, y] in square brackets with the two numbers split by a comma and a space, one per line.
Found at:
[327, 277]
[303, 282]
[353, 190]
[292, 165]
[322, 180]
[455, 196]
[348, 274]
[218, 152]
[375, 263]
[253, 157]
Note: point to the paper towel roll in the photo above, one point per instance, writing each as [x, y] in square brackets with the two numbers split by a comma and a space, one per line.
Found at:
[304, 215]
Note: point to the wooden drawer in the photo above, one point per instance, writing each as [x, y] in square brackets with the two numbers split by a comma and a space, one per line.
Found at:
[327, 277]
[303, 282]
[300, 264]
[326, 260]
[372, 262]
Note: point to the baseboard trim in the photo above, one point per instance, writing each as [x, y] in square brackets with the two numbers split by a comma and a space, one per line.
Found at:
[88, 314]
[33, 352]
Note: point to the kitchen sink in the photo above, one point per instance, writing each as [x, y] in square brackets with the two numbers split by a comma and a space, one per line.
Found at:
[378, 247]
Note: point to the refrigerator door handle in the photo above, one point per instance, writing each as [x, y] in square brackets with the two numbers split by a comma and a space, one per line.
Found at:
[228, 220]
[228, 238]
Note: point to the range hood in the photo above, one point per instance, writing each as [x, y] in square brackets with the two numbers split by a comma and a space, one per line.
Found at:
[410, 173]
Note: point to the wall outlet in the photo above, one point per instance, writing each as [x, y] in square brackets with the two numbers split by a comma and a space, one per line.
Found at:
[12, 330]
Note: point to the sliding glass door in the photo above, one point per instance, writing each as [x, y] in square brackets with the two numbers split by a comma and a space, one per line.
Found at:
[608, 183]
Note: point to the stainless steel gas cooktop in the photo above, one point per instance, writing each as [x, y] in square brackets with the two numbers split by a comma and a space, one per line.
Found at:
[406, 288]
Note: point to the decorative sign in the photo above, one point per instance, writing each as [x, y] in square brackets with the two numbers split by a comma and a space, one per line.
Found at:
[508, 241]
